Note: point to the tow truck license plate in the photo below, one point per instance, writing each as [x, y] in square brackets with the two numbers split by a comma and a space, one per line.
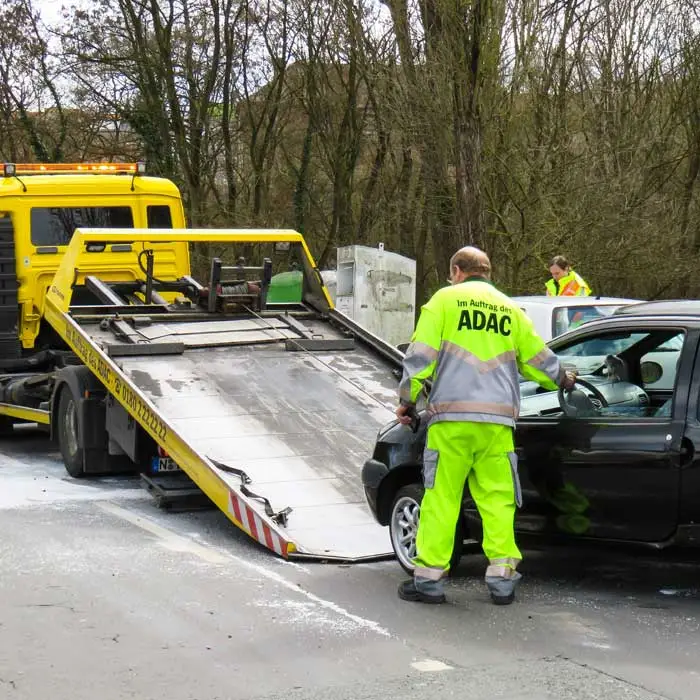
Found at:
[163, 464]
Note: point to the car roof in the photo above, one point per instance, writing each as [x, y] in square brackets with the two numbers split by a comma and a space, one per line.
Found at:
[663, 307]
[645, 318]
[574, 301]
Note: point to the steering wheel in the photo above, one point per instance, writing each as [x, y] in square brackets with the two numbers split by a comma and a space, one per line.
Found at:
[577, 404]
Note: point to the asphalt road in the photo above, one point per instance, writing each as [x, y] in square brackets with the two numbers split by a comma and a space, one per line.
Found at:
[104, 596]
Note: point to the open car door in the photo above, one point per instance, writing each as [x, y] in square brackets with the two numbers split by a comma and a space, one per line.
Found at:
[613, 473]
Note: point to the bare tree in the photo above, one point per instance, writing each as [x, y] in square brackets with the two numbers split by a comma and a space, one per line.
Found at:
[31, 104]
[167, 59]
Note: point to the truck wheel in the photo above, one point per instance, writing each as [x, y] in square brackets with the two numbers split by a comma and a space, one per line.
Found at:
[403, 527]
[68, 435]
[6, 426]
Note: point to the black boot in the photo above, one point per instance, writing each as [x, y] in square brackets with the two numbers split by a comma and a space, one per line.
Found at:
[408, 591]
[503, 599]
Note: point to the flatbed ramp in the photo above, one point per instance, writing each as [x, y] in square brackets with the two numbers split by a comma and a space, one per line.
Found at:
[270, 412]
[288, 424]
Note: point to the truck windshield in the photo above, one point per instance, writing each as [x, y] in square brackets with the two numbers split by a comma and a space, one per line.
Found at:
[54, 226]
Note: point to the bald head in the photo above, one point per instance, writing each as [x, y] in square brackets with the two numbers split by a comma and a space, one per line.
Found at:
[470, 262]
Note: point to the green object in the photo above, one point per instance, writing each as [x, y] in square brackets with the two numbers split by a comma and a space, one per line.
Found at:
[479, 453]
[286, 287]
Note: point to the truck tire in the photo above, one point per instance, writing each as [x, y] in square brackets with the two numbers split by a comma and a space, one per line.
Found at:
[68, 434]
[78, 425]
[6, 426]
[403, 526]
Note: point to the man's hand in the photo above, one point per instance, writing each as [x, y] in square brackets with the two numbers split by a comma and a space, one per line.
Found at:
[569, 380]
[403, 414]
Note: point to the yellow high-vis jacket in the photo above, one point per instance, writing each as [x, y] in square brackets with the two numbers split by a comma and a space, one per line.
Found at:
[472, 341]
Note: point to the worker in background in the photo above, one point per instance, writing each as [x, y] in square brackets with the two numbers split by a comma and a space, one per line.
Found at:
[565, 282]
[471, 340]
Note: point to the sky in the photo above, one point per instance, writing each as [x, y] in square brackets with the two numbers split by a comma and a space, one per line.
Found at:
[50, 9]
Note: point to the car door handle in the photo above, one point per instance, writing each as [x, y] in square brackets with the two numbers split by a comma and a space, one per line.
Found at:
[687, 451]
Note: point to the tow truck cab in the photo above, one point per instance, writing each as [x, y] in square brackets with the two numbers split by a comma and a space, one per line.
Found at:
[41, 205]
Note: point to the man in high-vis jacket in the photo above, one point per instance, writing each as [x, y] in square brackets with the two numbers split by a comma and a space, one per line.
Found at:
[471, 340]
[565, 282]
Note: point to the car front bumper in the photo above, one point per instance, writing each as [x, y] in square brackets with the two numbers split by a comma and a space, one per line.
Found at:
[373, 471]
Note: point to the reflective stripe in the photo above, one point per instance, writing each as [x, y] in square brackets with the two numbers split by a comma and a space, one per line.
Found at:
[506, 561]
[456, 379]
[430, 465]
[540, 358]
[546, 361]
[422, 350]
[429, 573]
[465, 384]
[470, 418]
[498, 409]
[418, 358]
[501, 572]
[460, 353]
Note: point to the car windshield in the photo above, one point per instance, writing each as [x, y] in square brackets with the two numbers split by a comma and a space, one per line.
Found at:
[566, 318]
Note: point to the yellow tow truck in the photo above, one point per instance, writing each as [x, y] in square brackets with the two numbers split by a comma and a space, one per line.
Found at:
[263, 404]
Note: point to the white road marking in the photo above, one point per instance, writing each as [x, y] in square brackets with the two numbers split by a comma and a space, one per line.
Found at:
[169, 539]
[430, 665]
[295, 565]
[178, 543]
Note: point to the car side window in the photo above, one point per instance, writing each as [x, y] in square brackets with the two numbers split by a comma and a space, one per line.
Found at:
[587, 356]
[659, 367]
[635, 370]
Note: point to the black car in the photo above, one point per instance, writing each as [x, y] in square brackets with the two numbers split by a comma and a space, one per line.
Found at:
[616, 459]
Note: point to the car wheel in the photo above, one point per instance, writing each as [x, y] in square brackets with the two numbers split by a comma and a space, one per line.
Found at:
[403, 527]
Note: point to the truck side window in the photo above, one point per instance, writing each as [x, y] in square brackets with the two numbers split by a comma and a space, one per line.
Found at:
[55, 225]
[159, 216]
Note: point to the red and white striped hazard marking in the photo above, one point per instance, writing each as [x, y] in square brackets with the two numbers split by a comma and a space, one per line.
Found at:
[255, 526]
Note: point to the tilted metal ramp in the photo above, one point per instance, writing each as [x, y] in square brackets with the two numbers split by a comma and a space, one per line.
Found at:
[298, 423]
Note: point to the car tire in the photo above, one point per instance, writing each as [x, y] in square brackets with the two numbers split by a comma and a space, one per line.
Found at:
[403, 526]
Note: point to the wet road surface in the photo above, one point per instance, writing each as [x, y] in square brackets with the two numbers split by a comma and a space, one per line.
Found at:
[103, 595]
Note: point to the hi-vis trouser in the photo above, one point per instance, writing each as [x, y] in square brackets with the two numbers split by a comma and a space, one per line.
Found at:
[482, 454]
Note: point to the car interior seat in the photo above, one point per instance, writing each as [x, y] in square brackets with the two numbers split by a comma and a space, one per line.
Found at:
[617, 369]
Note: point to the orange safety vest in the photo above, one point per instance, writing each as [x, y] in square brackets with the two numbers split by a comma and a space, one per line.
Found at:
[571, 285]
